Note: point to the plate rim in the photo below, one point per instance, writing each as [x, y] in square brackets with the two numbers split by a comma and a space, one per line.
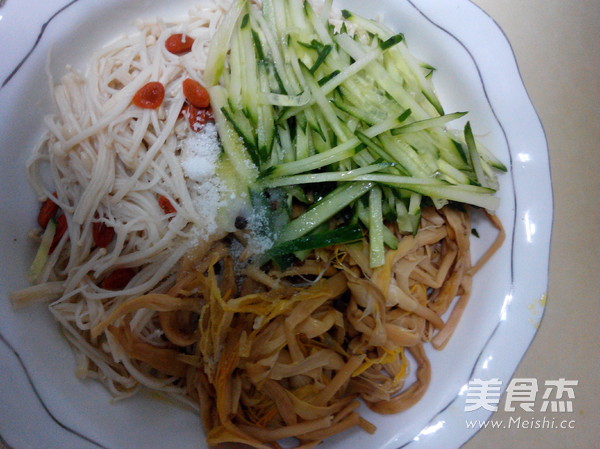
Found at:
[491, 339]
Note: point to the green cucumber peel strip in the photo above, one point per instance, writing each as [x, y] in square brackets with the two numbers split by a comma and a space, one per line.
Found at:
[474, 155]
[260, 54]
[324, 210]
[245, 20]
[428, 123]
[346, 234]
[388, 43]
[321, 58]
[327, 78]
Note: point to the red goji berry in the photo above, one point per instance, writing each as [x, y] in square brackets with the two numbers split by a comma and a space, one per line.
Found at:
[150, 96]
[166, 205]
[47, 211]
[179, 44]
[195, 93]
[118, 279]
[103, 234]
[197, 117]
[61, 227]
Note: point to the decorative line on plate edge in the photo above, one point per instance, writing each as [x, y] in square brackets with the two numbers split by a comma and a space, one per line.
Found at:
[43, 404]
[2, 338]
[3, 443]
[37, 40]
[512, 244]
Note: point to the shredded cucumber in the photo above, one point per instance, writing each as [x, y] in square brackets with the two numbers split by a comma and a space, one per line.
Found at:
[325, 209]
[377, 254]
[346, 234]
[314, 107]
[41, 257]
[220, 43]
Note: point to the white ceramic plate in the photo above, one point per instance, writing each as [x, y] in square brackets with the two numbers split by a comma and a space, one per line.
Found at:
[44, 405]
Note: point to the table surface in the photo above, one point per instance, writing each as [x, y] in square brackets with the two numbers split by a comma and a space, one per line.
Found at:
[557, 43]
[557, 46]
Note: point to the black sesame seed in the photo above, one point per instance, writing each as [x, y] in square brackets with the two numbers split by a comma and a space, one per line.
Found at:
[241, 222]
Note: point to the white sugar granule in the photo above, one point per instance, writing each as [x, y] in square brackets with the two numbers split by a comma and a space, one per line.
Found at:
[208, 201]
[212, 198]
[260, 234]
[200, 152]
